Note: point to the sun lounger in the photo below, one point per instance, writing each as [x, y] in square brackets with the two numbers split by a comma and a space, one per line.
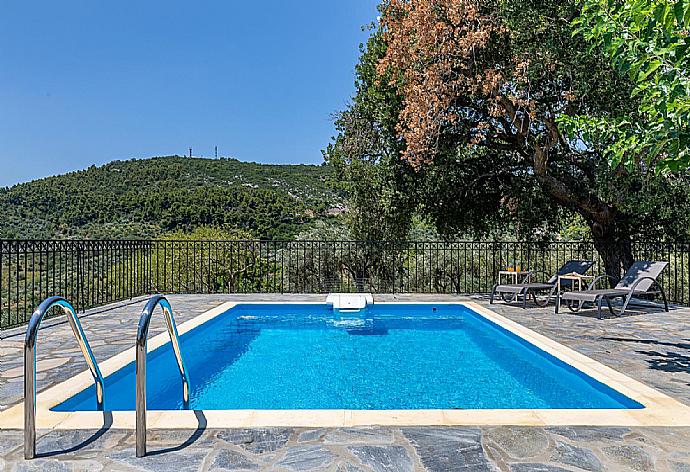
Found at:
[524, 290]
[641, 280]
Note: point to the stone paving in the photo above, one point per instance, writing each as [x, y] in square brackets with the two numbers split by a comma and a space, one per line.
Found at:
[650, 346]
[516, 449]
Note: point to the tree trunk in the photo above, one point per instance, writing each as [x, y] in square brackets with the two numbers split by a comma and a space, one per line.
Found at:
[614, 248]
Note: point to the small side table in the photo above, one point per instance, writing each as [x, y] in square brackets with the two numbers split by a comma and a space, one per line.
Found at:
[575, 277]
[515, 275]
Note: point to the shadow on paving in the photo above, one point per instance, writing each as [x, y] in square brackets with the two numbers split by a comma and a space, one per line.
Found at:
[198, 432]
[107, 424]
[654, 342]
[669, 361]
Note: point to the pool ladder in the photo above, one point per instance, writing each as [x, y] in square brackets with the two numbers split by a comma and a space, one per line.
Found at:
[141, 343]
[30, 365]
[142, 337]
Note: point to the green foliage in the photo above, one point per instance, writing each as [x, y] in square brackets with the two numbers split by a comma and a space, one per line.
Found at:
[145, 198]
[207, 233]
[366, 154]
[646, 40]
[467, 191]
[574, 229]
[212, 260]
[325, 231]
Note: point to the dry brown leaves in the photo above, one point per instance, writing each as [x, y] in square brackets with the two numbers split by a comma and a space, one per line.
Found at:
[443, 49]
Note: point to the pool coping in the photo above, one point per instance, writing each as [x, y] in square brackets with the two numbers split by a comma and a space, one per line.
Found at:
[659, 408]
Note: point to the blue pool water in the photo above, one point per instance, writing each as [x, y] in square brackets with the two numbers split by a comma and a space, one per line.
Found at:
[397, 356]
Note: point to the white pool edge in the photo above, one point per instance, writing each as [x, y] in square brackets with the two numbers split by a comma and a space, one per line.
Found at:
[659, 408]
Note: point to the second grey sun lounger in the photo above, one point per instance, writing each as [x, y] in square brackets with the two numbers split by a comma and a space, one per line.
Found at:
[641, 280]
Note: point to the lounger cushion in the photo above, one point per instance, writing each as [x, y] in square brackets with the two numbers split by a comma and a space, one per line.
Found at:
[592, 295]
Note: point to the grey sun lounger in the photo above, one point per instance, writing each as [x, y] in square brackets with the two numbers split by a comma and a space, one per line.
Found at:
[525, 289]
[641, 280]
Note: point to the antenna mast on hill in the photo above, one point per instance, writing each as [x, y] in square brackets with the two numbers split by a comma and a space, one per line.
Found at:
[216, 152]
[190, 152]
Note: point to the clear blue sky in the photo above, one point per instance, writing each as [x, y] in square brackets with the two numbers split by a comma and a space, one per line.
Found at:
[86, 82]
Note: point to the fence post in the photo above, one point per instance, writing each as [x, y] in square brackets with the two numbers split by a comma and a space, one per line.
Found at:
[80, 305]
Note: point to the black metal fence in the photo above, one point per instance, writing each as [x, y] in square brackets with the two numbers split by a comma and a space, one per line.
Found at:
[94, 273]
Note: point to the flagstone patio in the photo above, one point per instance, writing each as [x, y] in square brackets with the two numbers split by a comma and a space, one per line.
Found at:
[650, 346]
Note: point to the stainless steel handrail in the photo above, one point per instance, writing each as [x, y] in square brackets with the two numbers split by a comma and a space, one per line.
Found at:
[30, 366]
[142, 337]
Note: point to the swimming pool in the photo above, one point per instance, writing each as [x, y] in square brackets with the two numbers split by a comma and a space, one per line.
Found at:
[389, 357]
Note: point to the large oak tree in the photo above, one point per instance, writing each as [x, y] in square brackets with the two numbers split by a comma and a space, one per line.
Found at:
[460, 101]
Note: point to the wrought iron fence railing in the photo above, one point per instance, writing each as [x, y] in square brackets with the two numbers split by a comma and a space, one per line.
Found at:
[94, 273]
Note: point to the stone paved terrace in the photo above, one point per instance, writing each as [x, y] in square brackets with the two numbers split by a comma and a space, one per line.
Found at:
[650, 346]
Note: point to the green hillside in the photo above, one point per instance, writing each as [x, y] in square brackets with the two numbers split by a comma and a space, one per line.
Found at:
[142, 198]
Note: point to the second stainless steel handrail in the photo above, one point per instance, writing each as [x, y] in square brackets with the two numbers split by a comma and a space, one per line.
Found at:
[30, 366]
[142, 337]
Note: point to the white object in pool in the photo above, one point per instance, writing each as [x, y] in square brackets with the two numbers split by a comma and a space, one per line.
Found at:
[349, 301]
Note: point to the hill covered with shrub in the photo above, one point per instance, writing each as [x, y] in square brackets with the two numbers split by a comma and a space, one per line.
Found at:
[142, 198]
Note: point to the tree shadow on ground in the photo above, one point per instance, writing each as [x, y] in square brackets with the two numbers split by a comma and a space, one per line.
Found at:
[655, 342]
[669, 361]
